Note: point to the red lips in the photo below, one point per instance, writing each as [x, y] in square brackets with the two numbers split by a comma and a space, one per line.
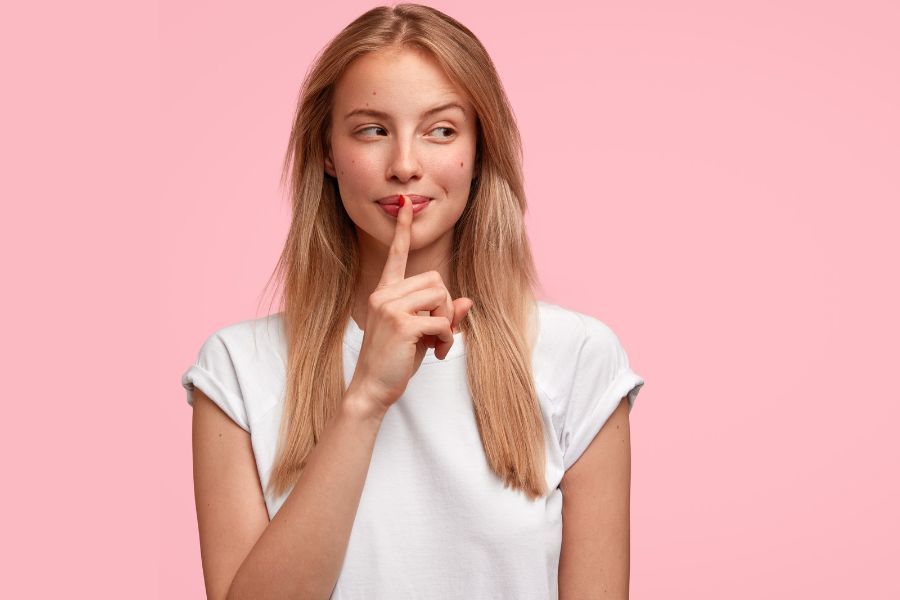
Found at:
[396, 199]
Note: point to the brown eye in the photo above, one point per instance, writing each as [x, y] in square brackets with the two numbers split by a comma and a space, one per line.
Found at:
[450, 129]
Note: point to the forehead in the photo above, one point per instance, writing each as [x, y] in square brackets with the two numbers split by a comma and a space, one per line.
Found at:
[397, 81]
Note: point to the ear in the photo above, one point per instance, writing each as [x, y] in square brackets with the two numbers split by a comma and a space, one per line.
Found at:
[329, 164]
[478, 160]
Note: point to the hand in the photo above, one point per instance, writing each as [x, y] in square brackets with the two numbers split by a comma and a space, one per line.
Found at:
[396, 336]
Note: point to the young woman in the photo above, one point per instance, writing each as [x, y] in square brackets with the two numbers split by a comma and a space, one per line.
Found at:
[413, 423]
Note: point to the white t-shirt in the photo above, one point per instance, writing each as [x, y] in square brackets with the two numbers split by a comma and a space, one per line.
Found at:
[434, 521]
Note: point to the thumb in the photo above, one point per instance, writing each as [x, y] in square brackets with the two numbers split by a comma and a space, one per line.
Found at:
[461, 307]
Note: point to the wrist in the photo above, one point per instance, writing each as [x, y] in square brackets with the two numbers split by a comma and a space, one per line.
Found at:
[359, 406]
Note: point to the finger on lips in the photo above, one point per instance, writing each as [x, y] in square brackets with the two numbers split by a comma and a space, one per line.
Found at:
[395, 271]
[395, 265]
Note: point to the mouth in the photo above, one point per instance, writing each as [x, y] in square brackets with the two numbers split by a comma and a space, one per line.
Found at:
[395, 200]
[419, 204]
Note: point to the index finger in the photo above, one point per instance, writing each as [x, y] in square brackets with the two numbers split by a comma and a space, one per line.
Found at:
[395, 265]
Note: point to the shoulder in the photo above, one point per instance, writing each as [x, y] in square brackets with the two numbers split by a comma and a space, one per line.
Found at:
[563, 331]
[584, 370]
[241, 367]
[573, 345]
[250, 338]
[254, 349]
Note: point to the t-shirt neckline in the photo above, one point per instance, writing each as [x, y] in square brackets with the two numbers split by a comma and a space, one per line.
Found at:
[353, 337]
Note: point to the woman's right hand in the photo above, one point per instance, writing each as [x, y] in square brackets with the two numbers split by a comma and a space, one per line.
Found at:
[396, 337]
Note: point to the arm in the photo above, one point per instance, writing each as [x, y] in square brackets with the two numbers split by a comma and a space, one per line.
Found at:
[594, 559]
[231, 511]
[299, 553]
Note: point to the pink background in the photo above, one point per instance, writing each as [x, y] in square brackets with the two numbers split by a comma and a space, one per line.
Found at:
[718, 182]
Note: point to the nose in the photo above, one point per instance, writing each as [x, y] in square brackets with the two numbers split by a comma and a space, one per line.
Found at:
[404, 164]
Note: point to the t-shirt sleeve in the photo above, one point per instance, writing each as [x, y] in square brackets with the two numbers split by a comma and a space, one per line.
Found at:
[214, 373]
[602, 377]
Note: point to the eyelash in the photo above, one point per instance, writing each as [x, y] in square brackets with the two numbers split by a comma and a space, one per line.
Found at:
[453, 131]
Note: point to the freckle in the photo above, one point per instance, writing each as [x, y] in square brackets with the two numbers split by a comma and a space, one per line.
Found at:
[460, 164]
[373, 93]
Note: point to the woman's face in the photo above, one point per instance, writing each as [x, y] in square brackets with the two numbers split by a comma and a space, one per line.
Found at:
[400, 147]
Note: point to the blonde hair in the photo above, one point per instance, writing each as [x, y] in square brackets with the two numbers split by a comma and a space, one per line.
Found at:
[491, 262]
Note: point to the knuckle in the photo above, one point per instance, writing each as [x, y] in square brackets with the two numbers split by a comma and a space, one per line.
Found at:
[436, 295]
[383, 309]
[394, 317]
[375, 300]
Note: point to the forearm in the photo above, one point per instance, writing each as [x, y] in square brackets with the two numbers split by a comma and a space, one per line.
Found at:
[301, 551]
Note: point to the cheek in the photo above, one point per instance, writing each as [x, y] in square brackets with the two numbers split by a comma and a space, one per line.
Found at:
[457, 170]
[353, 161]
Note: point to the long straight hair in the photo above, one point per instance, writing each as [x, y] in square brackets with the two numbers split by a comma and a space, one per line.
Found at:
[491, 260]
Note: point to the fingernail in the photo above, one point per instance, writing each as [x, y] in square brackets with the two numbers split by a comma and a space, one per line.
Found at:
[402, 201]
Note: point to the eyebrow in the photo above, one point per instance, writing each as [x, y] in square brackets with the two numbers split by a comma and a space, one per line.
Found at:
[368, 112]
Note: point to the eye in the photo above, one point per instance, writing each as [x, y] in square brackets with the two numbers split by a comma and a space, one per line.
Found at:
[368, 128]
[450, 129]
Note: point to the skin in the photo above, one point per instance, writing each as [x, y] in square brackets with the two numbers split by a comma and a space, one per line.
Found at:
[299, 554]
[594, 559]
[402, 153]
[405, 156]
